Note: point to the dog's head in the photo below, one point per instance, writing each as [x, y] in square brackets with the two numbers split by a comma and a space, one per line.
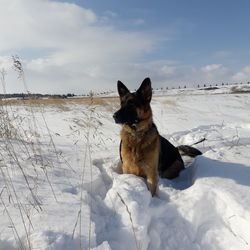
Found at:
[135, 107]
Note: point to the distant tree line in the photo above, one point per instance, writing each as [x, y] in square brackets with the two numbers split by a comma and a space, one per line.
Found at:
[25, 96]
[207, 86]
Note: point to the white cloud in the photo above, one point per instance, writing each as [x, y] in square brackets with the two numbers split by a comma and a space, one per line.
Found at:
[107, 17]
[214, 73]
[242, 75]
[5, 62]
[41, 24]
[110, 13]
[211, 68]
[139, 21]
[80, 51]
[68, 48]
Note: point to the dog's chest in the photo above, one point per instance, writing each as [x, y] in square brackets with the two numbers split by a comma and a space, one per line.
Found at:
[132, 159]
[139, 156]
[132, 153]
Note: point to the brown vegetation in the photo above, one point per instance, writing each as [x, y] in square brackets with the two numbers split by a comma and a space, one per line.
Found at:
[62, 103]
[170, 102]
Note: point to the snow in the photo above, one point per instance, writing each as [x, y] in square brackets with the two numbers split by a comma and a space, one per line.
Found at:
[65, 189]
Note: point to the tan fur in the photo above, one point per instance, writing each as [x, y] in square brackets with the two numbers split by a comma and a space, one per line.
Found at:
[140, 150]
[140, 141]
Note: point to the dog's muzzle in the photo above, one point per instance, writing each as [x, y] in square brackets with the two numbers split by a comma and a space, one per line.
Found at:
[126, 115]
[115, 116]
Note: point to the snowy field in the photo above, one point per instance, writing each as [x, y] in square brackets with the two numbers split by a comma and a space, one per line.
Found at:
[61, 185]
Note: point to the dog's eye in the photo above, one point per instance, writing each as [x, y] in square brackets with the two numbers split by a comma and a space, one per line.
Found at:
[123, 103]
[130, 102]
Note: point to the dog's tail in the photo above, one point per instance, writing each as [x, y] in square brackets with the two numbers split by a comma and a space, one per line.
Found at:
[189, 150]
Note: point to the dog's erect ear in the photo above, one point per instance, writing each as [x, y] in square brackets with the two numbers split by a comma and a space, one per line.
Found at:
[145, 90]
[122, 89]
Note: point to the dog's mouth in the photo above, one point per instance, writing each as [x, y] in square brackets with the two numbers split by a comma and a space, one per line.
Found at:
[123, 122]
[116, 118]
[129, 119]
[127, 115]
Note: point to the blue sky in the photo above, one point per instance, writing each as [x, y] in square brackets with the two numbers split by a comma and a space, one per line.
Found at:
[198, 29]
[90, 44]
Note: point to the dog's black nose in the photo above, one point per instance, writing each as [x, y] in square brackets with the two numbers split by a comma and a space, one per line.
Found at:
[115, 116]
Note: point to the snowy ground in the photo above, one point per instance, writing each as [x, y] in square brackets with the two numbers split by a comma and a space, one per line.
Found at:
[61, 185]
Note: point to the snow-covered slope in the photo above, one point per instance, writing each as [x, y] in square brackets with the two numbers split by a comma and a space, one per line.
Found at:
[75, 196]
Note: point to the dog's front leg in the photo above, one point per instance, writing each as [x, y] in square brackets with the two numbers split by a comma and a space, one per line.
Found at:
[152, 183]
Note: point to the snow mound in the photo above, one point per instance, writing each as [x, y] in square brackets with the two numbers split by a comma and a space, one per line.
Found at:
[208, 202]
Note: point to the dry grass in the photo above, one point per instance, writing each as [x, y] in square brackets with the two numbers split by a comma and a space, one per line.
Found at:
[62, 104]
[170, 102]
[22, 153]
[137, 244]
[28, 150]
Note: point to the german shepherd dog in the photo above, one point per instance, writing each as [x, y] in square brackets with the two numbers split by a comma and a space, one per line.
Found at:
[143, 151]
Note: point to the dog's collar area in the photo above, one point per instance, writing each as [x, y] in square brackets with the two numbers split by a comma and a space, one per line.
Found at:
[133, 125]
[151, 130]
